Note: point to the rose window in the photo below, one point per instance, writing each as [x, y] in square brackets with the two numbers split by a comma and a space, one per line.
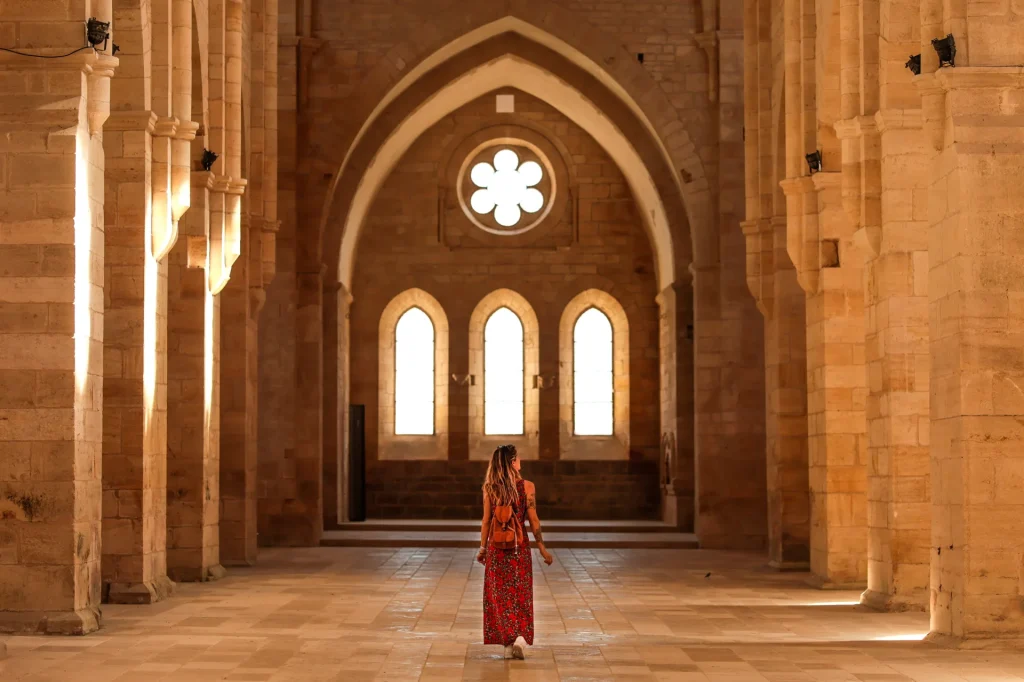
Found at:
[507, 188]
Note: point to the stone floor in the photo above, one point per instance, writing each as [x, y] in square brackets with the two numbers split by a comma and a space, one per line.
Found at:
[354, 614]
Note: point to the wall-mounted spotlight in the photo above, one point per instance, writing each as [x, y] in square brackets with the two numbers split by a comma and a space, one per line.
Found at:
[640, 57]
[814, 162]
[946, 49]
[115, 48]
[208, 159]
[914, 64]
[96, 32]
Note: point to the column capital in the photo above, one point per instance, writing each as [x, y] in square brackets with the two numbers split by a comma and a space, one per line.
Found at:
[236, 186]
[858, 126]
[165, 126]
[203, 180]
[133, 119]
[187, 130]
[797, 186]
[826, 180]
[898, 119]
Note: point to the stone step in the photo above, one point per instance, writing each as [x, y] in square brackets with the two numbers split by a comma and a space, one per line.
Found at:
[562, 539]
[473, 525]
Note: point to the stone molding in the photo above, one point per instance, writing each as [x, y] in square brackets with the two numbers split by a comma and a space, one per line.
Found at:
[760, 269]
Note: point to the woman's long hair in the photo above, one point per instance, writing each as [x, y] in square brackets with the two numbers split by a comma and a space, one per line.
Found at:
[500, 482]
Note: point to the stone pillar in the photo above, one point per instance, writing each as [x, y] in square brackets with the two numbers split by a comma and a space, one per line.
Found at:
[976, 306]
[238, 410]
[193, 457]
[135, 363]
[773, 280]
[336, 386]
[820, 245]
[303, 515]
[667, 355]
[729, 436]
[896, 342]
[676, 354]
[51, 331]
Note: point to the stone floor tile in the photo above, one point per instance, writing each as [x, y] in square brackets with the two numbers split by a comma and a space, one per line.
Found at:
[354, 614]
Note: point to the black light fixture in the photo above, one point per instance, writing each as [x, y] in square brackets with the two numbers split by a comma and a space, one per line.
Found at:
[946, 49]
[814, 161]
[914, 64]
[115, 48]
[208, 159]
[640, 57]
[96, 32]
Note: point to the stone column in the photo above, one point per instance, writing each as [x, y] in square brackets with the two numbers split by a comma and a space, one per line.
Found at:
[238, 409]
[676, 353]
[336, 386]
[820, 245]
[894, 241]
[976, 306]
[783, 303]
[667, 354]
[303, 515]
[51, 331]
[193, 458]
[135, 363]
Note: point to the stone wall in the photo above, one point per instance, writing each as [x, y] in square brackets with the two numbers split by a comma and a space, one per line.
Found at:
[607, 249]
[624, 490]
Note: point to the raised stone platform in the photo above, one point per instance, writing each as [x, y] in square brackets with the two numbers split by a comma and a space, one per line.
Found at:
[557, 535]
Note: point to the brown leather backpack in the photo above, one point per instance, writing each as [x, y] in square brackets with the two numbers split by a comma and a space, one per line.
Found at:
[506, 529]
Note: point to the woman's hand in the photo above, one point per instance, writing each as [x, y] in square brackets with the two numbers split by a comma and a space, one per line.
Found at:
[481, 555]
[546, 555]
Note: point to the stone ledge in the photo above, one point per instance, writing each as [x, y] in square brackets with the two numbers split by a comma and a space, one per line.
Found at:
[80, 622]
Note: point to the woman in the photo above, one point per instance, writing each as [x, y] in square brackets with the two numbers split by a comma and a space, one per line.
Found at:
[508, 576]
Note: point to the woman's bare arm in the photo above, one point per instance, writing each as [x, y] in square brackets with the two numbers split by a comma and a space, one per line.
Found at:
[531, 513]
[485, 525]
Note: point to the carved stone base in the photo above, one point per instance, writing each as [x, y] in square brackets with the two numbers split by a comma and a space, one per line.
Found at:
[790, 566]
[978, 641]
[139, 593]
[80, 622]
[879, 601]
[822, 583]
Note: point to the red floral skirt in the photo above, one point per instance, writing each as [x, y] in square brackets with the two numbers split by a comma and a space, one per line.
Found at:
[508, 595]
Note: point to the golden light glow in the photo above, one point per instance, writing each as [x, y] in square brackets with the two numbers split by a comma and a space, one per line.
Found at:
[83, 256]
[907, 637]
[149, 337]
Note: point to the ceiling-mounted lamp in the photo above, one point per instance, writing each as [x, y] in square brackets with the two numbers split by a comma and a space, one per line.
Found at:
[96, 32]
[208, 159]
[946, 49]
[814, 161]
[914, 64]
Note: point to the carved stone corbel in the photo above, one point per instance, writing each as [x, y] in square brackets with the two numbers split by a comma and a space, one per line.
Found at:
[181, 171]
[99, 74]
[163, 227]
[760, 263]
[802, 229]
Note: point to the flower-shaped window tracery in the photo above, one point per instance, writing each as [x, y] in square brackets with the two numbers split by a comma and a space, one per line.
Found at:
[507, 188]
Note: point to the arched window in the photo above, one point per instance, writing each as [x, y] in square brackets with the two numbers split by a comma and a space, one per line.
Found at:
[503, 374]
[593, 404]
[414, 374]
[593, 375]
